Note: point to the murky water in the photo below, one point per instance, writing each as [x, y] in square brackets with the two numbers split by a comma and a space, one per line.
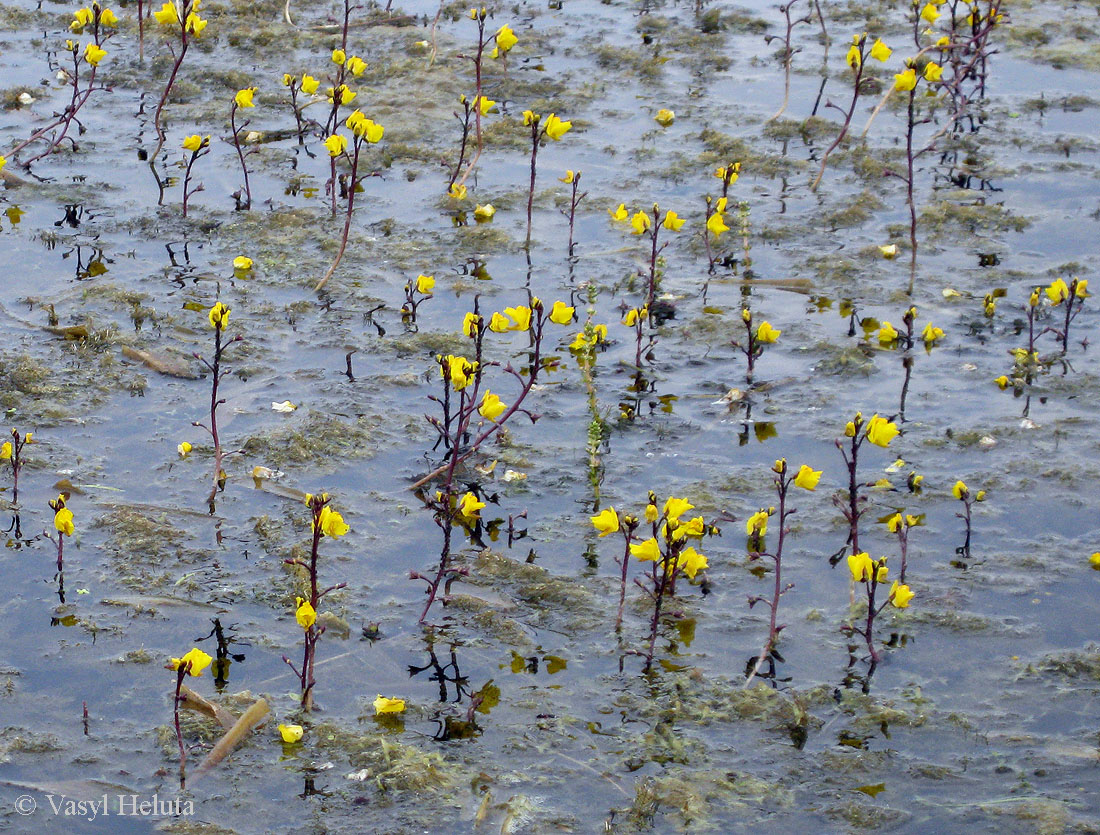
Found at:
[981, 714]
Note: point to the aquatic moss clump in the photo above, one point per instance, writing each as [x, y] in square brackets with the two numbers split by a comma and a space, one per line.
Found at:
[321, 437]
[393, 765]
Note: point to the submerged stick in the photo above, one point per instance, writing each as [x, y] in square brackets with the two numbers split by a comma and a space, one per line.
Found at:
[233, 737]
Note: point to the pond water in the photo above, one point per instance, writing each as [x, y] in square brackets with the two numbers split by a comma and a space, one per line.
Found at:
[526, 710]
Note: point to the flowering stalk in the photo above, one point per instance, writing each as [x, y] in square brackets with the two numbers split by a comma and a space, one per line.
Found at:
[879, 431]
[756, 339]
[57, 131]
[807, 479]
[219, 319]
[63, 524]
[855, 60]
[871, 573]
[961, 492]
[416, 292]
[480, 104]
[186, 19]
[325, 522]
[192, 663]
[573, 178]
[1073, 297]
[199, 146]
[12, 452]
[788, 54]
[364, 131]
[464, 120]
[242, 99]
[900, 524]
[554, 128]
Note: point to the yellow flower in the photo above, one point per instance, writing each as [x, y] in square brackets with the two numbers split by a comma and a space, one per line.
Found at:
[880, 51]
[716, 224]
[807, 477]
[620, 214]
[530, 117]
[1082, 288]
[484, 105]
[3, 161]
[192, 143]
[889, 252]
[219, 316]
[691, 562]
[664, 117]
[194, 662]
[108, 18]
[569, 176]
[880, 431]
[288, 79]
[943, 43]
[905, 81]
[167, 14]
[648, 551]
[183, 449]
[383, 705]
[304, 613]
[343, 92]
[425, 284]
[491, 406]
[339, 57]
[693, 527]
[63, 521]
[853, 59]
[310, 84]
[929, 14]
[673, 221]
[931, 334]
[506, 38]
[887, 333]
[1094, 560]
[635, 315]
[242, 262]
[757, 524]
[194, 24]
[561, 313]
[457, 192]
[732, 171]
[244, 97]
[470, 506]
[521, 316]
[484, 213]
[94, 54]
[1002, 382]
[766, 334]
[499, 323]
[81, 18]
[932, 71]
[461, 371]
[900, 595]
[606, 522]
[861, 566]
[556, 128]
[291, 733]
[640, 223]
[332, 523]
[336, 145]
[356, 65]
[471, 322]
[364, 128]
[1058, 291]
[675, 508]
[960, 491]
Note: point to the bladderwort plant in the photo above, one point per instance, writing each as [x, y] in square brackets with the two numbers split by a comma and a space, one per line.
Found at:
[416, 292]
[63, 526]
[100, 22]
[900, 524]
[961, 492]
[324, 522]
[788, 53]
[12, 452]
[1071, 295]
[573, 180]
[554, 129]
[306, 85]
[219, 320]
[182, 21]
[197, 146]
[192, 663]
[242, 99]
[880, 432]
[667, 550]
[871, 574]
[806, 478]
[755, 340]
[466, 398]
[855, 58]
[364, 132]
[650, 224]
[584, 350]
